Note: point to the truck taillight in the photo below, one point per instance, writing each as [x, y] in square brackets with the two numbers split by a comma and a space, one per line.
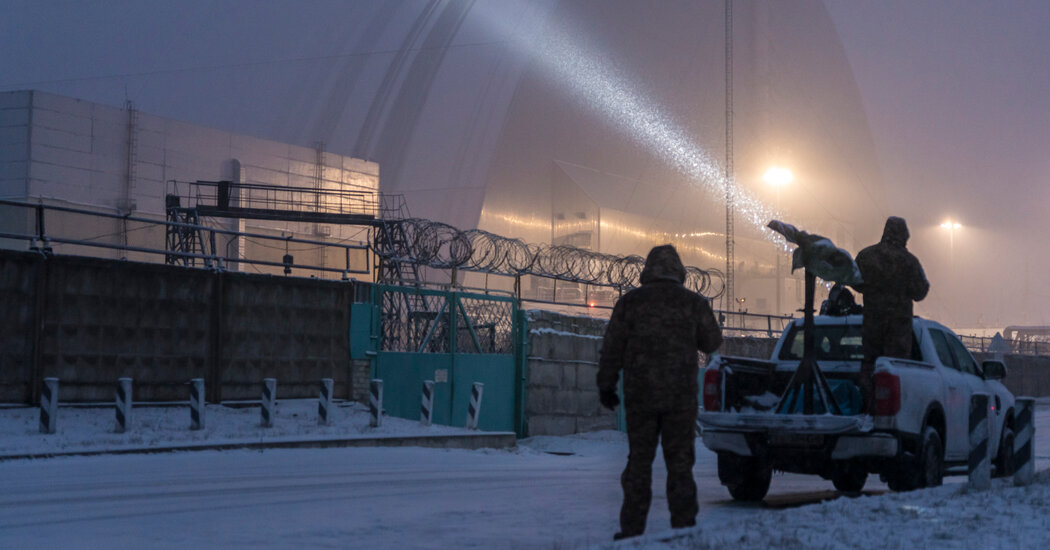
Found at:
[887, 394]
[712, 389]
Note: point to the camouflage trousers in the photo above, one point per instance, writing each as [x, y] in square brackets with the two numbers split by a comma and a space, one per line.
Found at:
[885, 337]
[677, 432]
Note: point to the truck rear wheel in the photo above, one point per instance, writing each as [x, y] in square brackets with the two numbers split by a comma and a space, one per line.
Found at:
[849, 477]
[747, 478]
[927, 470]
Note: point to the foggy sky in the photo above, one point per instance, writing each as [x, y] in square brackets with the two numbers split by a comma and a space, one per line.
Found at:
[956, 98]
[956, 95]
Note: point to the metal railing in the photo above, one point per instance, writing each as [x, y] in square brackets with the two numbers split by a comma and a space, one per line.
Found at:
[1018, 347]
[217, 243]
[44, 241]
[225, 195]
[738, 323]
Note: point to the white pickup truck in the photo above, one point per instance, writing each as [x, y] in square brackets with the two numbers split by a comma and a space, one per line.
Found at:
[917, 427]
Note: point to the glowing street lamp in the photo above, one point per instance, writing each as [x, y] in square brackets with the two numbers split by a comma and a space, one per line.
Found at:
[778, 176]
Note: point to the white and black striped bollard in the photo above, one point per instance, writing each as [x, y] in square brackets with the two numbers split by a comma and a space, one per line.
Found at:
[1024, 457]
[197, 404]
[268, 402]
[474, 408]
[375, 403]
[324, 400]
[426, 410]
[980, 468]
[123, 404]
[49, 406]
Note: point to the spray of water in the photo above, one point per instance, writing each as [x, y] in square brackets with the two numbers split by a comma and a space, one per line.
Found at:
[602, 87]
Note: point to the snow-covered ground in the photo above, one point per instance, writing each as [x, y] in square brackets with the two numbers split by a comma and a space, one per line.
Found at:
[549, 493]
[948, 517]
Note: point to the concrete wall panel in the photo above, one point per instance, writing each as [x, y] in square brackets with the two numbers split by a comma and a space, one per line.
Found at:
[77, 128]
[15, 100]
[20, 274]
[161, 325]
[14, 117]
[105, 320]
[14, 170]
[294, 330]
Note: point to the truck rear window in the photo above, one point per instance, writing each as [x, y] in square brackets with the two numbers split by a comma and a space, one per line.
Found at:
[833, 343]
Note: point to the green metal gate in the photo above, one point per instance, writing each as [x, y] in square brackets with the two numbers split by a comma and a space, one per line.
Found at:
[455, 339]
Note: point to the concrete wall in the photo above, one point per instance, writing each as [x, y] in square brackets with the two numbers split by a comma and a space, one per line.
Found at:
[360, 376]
[1025, 374]
[561, 396]
[90, 321]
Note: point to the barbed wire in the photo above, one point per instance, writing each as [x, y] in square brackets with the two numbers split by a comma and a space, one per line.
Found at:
[442, 246]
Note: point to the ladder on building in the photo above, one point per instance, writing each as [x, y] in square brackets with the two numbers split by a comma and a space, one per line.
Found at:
[394, 264]
[184, 235]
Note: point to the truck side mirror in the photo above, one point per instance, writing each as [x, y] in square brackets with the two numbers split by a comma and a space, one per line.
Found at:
[994, 370]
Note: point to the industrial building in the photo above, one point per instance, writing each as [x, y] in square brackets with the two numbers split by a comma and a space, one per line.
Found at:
[68, 153]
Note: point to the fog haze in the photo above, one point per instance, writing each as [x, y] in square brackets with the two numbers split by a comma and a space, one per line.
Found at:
[955, 95]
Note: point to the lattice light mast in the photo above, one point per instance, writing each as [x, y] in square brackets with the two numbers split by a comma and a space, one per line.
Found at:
[730, 245]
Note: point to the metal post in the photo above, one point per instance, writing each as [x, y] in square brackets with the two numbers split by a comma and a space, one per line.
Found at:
[48, 405]
[123, 404]
[980, 468]
[1024, 459]
[197, 404]
[324, 401]
[426, 413]
[375, 403]
[269, 398]
[41, 244]
[474, 408]
[40, 223]
[214, 253]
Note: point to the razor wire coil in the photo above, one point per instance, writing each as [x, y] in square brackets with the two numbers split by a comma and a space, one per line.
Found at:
[439, 245]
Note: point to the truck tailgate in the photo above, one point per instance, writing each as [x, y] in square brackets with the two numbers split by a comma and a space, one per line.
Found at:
[785, 423]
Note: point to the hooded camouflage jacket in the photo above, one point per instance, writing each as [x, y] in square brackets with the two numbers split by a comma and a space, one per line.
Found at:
[893, 277]
[653, 336]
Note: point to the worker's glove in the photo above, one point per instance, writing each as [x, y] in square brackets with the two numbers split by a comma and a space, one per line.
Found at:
[609, 399]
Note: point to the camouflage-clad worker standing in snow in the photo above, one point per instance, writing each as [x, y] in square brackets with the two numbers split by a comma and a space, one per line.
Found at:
[893, 278]
[652, 337]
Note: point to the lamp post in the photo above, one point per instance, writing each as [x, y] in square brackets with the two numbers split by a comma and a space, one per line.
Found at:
[778, 177]
[951, 226]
